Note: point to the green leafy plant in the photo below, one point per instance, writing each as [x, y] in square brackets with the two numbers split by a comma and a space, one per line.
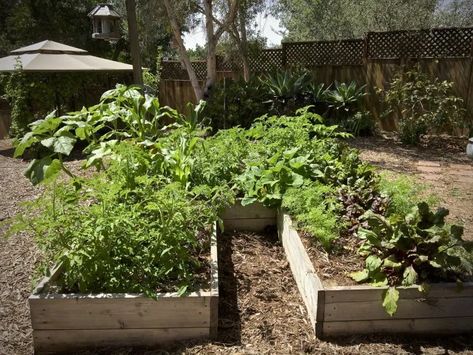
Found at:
[345, 98]
[220, 158]
[413, 250]
[236, 103]
[422, 104]
[358, 190]
[316, 211]
[122, 235]
[122, 114]
[287, 90]
[345, 108]
[267, 181]
[318, 92]
[404, 192]
[285, 151]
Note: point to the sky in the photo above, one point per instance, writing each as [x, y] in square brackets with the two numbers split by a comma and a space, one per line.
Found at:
[268, 26]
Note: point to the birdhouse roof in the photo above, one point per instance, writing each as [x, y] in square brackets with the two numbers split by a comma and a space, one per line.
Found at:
[104, 10]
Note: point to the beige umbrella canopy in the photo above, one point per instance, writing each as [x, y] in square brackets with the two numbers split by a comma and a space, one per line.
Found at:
[50, 56]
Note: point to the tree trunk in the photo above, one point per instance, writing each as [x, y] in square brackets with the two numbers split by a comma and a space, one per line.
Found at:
[134, 44]
[244, 41]
[211, 49]
[182, 51]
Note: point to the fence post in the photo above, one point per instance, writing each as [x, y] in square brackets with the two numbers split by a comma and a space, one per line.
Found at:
[370, 100]
[468, 110]
[365, 48]
[283, 56]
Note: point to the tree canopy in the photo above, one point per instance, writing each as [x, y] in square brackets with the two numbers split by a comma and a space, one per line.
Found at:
[343, 19]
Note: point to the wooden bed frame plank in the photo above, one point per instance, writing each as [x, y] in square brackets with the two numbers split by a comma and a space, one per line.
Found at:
[348, 310]
[50, 341]
[308, 283]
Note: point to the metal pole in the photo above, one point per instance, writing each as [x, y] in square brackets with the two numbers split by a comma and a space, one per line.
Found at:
[134, 44]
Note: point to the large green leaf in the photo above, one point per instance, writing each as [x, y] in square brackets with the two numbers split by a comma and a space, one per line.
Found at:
[41, 169]
[360, 276]
[378, 279]
[27, 141]
[60, 145]
[390, 298]
[409, 276]
[245, 201]
[373, 263]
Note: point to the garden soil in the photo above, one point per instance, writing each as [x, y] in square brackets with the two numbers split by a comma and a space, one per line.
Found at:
[261, 311]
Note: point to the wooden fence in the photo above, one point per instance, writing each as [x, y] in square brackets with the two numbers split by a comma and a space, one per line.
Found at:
[446, 53]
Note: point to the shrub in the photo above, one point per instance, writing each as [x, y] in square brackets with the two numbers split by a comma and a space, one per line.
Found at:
[236, 103]
[422, 104]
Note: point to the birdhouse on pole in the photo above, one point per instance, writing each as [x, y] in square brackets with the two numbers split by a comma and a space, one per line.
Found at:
[106, 22]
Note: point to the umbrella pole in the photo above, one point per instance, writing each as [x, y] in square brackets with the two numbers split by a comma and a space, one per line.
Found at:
[56, 94]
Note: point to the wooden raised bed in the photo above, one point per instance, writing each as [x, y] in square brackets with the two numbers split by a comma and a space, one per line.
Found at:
[253, 218]
[346, 310]
[65, 322]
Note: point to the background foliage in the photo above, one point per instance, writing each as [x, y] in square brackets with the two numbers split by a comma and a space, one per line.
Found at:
[342, 19]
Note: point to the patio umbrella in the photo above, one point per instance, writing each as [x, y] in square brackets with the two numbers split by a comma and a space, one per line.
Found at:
[50, 56]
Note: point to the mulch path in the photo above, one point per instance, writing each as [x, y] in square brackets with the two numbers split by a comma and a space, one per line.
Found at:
[18, 256]
[261, 311]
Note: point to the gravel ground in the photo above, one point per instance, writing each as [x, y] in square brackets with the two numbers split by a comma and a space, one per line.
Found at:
[261, 310]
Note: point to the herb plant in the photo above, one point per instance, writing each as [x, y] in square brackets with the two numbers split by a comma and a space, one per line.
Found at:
[316, 210]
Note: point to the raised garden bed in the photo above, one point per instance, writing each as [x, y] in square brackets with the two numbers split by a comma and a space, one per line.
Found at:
[251, 218]
[63, 322]
[345, 310]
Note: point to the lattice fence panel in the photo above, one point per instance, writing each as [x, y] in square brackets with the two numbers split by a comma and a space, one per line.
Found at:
[310, 54]
[435, 43]
[174, 70]
[228, 64]
[267, 60]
